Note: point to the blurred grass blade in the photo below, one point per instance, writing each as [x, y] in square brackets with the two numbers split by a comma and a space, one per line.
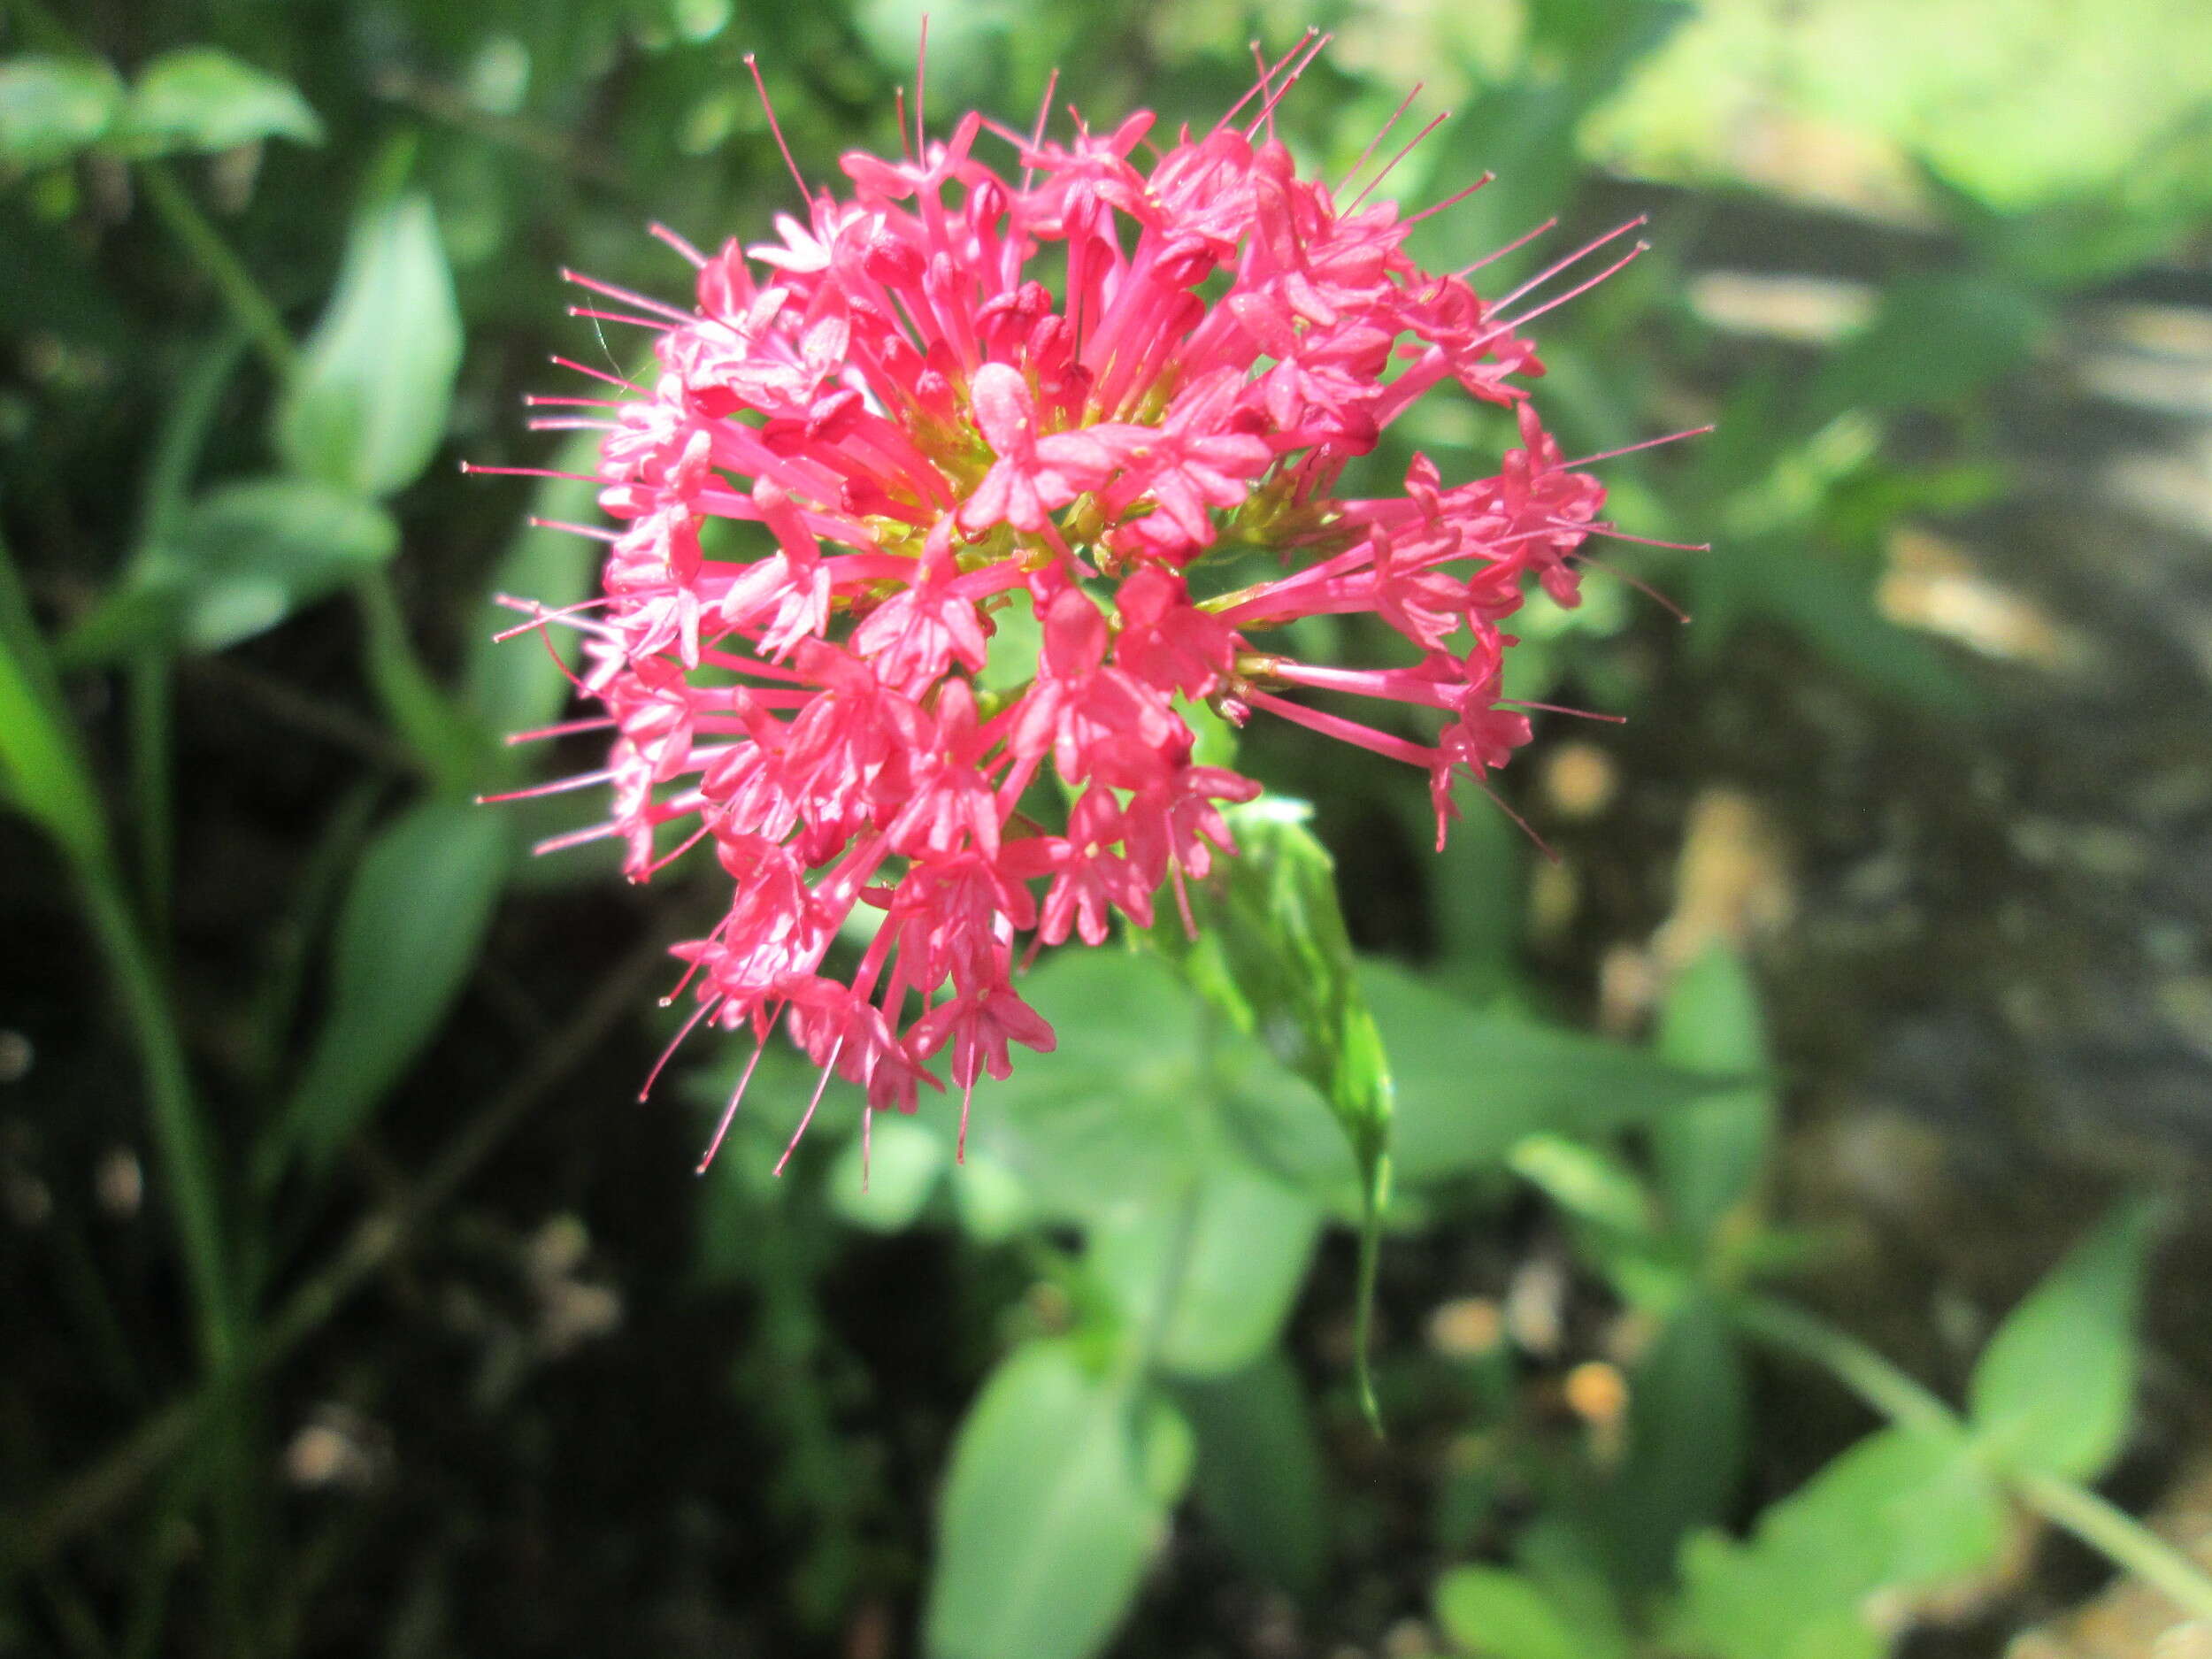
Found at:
[367, 406]
[408, 934]
[201, 98]
[2054, 1389]
[52, 107]
[1061, 1483]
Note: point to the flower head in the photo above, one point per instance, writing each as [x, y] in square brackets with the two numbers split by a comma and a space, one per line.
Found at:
[1068, 384]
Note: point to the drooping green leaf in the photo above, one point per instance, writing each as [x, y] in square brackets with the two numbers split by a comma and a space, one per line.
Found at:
[2055, 1390]
[201, 98]
[1211, 1276]
[1502, 1615]
[51, 107]
[407, 935]
[1904, 1510]
[367, 406]
[1061, 1483]
[236, 563]
[1707, 1154]
[1260, 1479]
[1473, 1083]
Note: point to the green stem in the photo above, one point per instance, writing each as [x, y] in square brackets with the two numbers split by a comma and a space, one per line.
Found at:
[1858, 1367]
[152, 686]
[241, 293]
[2067, 1504]
[2120, 1536]
[179, 1134]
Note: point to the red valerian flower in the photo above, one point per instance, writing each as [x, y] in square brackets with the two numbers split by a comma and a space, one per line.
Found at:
[924, 435]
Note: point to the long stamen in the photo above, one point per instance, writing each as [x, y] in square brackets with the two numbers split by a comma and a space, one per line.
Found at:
[1583, 252]
[1368, 188]
[1374, 143]
[1648, 443]
[729, 1112]
[775, 127]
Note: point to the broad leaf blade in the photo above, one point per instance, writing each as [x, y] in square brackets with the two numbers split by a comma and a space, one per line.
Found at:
[239, 561]
[2054, 1389]
[51, 107]
[1708, 1154]
[367, 407]
[201, 98]
[1058, 1492]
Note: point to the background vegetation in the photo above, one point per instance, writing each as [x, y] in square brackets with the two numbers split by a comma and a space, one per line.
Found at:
[1794, 1251]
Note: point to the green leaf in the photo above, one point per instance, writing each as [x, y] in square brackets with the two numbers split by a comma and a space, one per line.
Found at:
[41, 763]
[1061, 1483]
[1904, 1510]
[1272, 954]
[1708, 1154]
[240, 560]
[367, 407]
[50, 107]
[2055, 1388]
[1472, 1083]
[1260, 1482]
[1935, 341]
[408, 934]
[1689, 1420]
[201, 98]
[1495, 1612]
[903, 1162]
[1227, 1261]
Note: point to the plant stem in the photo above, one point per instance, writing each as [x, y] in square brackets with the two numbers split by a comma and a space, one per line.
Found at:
[2105, 1527]
[1858, 1367]
[232, 281]
[152, 700]
[186, 1157]
[84, 1501]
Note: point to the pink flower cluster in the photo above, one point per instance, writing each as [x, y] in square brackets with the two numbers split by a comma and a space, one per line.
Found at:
[949, 394]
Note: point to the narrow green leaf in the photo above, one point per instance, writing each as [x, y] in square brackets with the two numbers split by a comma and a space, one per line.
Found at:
[1261, 1483]
[368, 406]
[1227, 1263]
[52, 107]
[1053, 1502]
[201, 98]
[236, 563]
[407, 935]
[1500, 1614]
[2055, 1390]
[1471, 1083]
[1708, 1154]
[41, 764]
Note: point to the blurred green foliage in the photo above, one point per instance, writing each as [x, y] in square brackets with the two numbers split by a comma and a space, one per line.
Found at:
[264, 266]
